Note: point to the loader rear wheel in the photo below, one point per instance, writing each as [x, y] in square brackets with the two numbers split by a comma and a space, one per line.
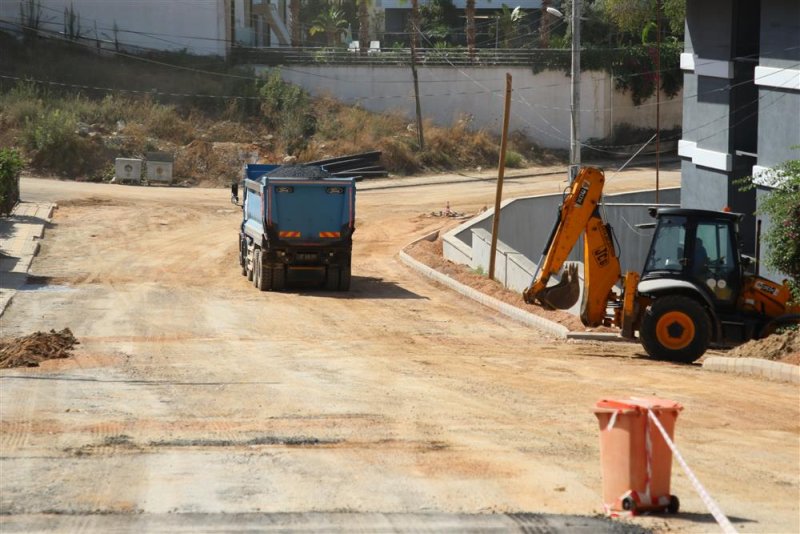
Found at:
[344, 278]
[675, 328]
[278, 277]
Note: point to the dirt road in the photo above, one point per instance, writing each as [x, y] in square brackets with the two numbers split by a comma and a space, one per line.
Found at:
[192, 393]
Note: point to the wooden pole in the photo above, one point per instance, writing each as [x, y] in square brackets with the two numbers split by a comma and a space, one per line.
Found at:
[500, 172]
[414, 30]
[658, 93]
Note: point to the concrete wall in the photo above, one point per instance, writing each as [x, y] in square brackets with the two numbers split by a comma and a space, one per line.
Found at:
[540, 108]
[200, 28]
[525, 225]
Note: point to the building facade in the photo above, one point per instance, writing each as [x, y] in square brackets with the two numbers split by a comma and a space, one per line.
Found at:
[741, 111]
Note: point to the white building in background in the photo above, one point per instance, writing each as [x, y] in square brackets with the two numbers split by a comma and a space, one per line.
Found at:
[201, 27]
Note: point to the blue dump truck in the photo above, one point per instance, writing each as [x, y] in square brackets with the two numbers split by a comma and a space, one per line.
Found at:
[298, 225]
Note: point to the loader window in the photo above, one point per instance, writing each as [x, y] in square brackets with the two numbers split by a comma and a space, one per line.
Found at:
[666, 251]
[713, 262]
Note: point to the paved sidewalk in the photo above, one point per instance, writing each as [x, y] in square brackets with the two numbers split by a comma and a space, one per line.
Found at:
[19, 242]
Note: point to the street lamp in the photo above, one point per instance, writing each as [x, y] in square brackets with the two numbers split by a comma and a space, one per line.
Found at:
[575, 99]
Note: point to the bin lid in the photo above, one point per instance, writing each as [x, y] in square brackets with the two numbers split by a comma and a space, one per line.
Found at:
[635, 404]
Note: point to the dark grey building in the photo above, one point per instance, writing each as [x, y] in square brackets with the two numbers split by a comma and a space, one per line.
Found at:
[741, 111]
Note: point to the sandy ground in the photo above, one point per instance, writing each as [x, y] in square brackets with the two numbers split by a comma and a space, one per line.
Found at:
[193, 393]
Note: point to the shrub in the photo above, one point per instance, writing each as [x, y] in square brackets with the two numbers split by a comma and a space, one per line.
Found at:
[20, 104]
[55, 146]
[782, 206]
[10, 168]
[514, 160]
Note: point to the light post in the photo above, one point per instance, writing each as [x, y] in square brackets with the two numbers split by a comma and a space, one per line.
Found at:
[575, 99]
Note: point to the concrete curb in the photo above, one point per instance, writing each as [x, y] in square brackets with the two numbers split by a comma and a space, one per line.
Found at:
[515, 313]
[23, 244]
[598, 336]
[777, 371]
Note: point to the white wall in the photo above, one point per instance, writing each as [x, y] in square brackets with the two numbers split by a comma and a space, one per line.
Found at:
[540, 108]
[198, 26]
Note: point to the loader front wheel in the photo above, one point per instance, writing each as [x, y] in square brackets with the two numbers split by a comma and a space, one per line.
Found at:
[675, 328]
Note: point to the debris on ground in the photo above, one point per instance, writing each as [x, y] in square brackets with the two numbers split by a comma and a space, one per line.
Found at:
[30, 350]
[447, 212]
[782, 347]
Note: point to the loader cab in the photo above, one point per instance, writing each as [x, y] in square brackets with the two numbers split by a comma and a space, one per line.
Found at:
[700, 247]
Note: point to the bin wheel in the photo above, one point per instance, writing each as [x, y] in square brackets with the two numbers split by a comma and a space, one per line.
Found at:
[629, 504]
[674, 504]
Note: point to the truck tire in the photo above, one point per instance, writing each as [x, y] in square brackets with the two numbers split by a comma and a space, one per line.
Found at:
[278, 278]
[675, 328]
[249, 270]
[332, 278]
[344, 278]
[257, 267]
[264, 276]
[243, 257]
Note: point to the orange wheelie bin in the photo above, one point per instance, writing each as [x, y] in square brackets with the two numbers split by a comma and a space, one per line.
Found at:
[636, 461]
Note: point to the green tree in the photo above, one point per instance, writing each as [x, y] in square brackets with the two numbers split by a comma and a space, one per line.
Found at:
[782, 206]
[631, 16]
[438, 19]
[331, 23]
[507, 24]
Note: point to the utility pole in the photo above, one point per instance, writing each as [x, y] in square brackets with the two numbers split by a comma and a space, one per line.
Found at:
[575, 101]
[658, 92]
[414, 29]
[501, 169]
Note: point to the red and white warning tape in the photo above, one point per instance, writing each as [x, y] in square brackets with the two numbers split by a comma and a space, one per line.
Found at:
[712, 506]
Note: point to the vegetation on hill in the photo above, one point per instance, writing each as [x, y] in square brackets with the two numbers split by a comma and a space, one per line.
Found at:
[103, 108]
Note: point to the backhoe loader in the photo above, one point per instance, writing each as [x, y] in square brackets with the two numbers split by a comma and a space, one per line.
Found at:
[692, 291]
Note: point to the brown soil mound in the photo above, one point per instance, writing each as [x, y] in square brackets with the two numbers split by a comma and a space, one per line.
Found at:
[29, 350]
[430, 253]
[783, 347]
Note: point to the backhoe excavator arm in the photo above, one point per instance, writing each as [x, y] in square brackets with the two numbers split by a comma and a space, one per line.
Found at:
[576, 215]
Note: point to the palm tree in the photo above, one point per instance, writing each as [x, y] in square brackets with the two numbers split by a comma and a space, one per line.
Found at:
[294, 10]
[544, 25]
[470, 12]
[332, 23]
[363, 25]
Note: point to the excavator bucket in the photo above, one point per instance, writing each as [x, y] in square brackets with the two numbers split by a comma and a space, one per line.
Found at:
[565, 293]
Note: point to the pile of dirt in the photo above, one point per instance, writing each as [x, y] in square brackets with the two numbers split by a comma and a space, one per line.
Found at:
[29, 351]
[430, 253]
[783, 347]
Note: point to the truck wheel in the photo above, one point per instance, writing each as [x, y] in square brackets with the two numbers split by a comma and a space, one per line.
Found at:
[243, 256]
[248, 268]
[278, 278]
[332, 278]
[344, 278]
[264, 276]
[257, 267]
[675, 328]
